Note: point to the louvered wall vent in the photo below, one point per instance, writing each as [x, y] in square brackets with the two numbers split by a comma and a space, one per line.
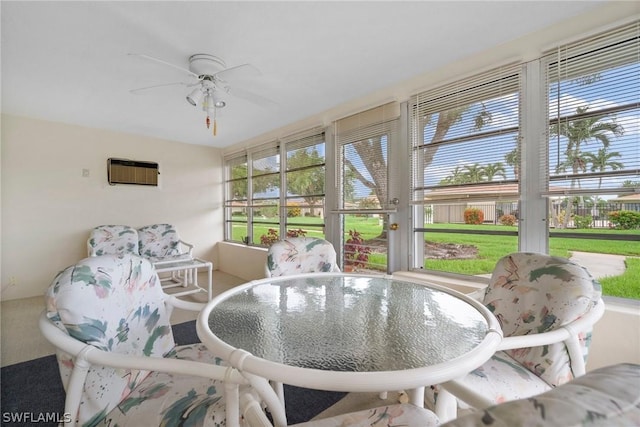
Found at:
[124, 171]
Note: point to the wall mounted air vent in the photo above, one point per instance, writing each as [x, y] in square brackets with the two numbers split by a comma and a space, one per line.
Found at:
[124, 171]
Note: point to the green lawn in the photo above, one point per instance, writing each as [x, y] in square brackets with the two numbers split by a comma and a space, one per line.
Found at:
[492, 247]
[627, 285]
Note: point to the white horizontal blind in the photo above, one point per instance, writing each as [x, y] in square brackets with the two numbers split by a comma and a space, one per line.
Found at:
[237, 174]
[363, 143]
[304, 170]
[594, 115]
[465, 139]
[265, 174]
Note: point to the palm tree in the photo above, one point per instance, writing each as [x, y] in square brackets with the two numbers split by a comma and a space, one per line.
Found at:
[457, 176]
[581, 130]
[475, 173]
[494, 169]
[601, 161]
[513, 159]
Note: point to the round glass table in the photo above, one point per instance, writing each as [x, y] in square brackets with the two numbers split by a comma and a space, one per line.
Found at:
[349, 332]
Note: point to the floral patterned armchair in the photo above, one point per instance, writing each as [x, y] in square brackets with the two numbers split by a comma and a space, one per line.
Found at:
[109, 320]
[547, 307]
[112, 240]
[161, 242]
[297, 255]
[609, 396]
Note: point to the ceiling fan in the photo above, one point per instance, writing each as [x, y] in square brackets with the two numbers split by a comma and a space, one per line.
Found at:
[209, 74]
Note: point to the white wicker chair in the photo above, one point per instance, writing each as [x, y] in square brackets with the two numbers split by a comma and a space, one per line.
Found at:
[109, 320]
[297, 255]
[608, 396]
[547, 307]
[112, 240]
[162, 243]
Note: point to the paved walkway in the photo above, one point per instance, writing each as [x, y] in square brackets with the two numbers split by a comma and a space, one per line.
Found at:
[600, 265]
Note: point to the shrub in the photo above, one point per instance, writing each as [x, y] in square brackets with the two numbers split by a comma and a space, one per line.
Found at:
[625, 220]
[293, 210]
[272, 236]
[507, 219]
[583, 221]
[473, 216]
[296, 233]
[356, 252]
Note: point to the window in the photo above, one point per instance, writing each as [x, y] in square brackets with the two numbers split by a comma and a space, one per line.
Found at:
[466, 171]
[593, 165]
[276, 189]
[364, 154]
[593, 170]
[540, 156]
[264, 209]
[305, 184]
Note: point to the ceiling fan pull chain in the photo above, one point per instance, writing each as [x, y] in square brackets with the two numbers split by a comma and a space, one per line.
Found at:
[214, 122]
[208, 122]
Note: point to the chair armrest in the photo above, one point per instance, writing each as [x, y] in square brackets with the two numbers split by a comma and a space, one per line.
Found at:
[85, 355]
[561, 334]
[175, 302]
[95, 356]
[189, 247]
[467, 395]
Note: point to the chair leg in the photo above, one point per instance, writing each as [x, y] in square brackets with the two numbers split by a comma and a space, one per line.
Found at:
[446, 406]
[415, 396]
[232, 404]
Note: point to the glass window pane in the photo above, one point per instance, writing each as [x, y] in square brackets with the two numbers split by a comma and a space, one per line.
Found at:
[466, 168]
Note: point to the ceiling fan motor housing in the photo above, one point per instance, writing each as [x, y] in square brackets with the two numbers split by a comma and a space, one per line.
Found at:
[204, 64]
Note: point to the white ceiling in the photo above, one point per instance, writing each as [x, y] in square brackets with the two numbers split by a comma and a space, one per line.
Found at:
[68, 62]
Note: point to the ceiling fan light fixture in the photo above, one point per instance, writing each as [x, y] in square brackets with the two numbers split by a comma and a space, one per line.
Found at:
[194, 97]
[218, 102]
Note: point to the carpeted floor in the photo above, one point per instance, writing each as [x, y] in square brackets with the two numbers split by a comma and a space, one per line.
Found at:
[34, 388]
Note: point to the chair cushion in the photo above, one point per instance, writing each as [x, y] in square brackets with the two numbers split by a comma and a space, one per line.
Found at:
[531, 293]
[605, 397]
[383, 416]
[502, 378]
[113, 239]
[158, 241]
[172, 400]
[299, 255]
[116, 304]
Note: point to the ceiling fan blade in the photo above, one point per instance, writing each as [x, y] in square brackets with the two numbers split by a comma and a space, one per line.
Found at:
[162, 61]
[142, 89]
[239, 71]
[251, 97]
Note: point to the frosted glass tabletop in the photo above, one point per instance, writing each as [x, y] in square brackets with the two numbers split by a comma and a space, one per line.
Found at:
[339, 322]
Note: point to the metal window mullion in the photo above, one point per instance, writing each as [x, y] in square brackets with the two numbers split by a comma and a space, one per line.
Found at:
[332, 221]
[282, 199]
[250, 197]
[401, 182]
[533, 226]
[417, 237]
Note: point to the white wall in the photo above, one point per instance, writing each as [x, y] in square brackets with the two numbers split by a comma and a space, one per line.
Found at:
[246, 262]
[48, 207]
[616, 337]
